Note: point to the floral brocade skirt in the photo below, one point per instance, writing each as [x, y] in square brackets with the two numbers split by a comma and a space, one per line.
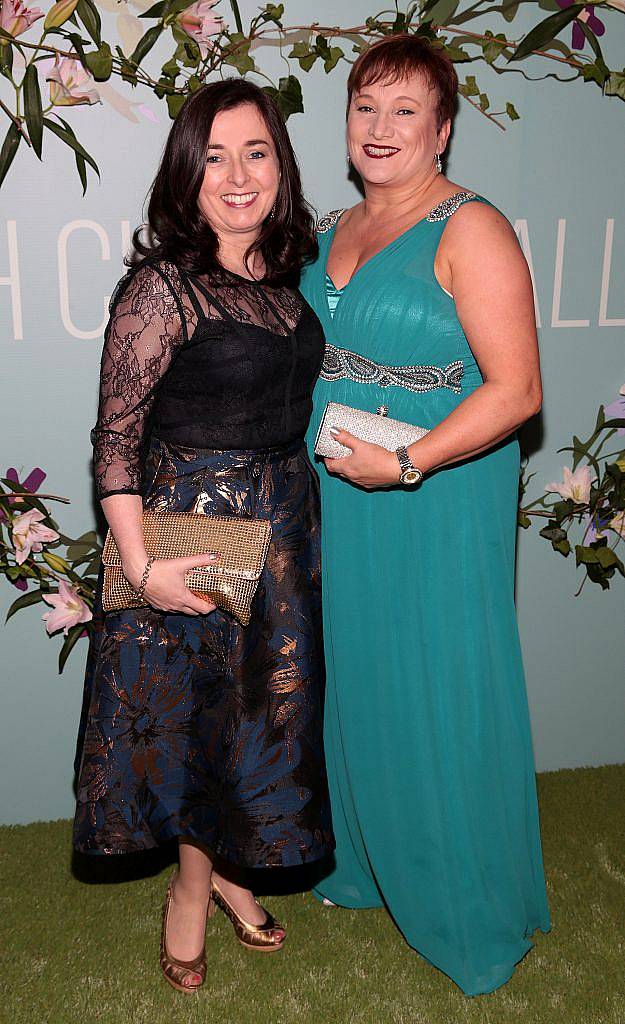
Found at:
[200, 727]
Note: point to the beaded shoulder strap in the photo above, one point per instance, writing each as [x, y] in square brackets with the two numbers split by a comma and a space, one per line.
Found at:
[449, 206]
[329, 220]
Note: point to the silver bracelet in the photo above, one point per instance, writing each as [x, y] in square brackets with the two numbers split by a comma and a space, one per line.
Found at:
[144, 578]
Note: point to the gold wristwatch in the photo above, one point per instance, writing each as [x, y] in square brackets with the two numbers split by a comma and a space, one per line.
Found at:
[409, 474]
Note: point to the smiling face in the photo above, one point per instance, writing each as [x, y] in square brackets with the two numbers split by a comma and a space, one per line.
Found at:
[392, 131]
[242, 173]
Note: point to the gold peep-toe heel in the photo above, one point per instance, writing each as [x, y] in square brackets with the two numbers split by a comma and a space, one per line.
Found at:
[261, 938]
[175, 971]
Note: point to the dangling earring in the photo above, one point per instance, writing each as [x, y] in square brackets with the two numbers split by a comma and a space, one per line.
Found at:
[439, 163]
[272, 211]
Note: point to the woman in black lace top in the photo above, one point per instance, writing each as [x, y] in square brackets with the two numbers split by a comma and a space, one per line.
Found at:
[195, 727]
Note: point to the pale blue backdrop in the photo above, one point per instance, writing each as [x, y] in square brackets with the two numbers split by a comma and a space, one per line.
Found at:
[555, 173]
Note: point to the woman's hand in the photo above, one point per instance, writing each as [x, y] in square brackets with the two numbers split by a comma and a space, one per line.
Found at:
[166, 590]
[368, 466]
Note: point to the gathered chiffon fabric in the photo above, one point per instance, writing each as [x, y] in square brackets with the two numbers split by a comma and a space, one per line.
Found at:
[427, 731]
[199, 727]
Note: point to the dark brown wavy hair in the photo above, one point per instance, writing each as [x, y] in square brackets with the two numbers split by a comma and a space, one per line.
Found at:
[176, 230]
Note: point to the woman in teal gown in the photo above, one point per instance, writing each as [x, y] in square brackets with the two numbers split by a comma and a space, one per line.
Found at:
[427, 731]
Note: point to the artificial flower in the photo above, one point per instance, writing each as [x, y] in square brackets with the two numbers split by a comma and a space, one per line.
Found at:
[574, 485]
[68, 609]
[616, 409]
[588, 16]
[29, 534]
[199, 22]
[70, 83]
[32, 483]
[15, 18]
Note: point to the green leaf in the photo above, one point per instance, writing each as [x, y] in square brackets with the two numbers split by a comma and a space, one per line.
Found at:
[66, 135]
[304, 54]
[509, 10]
[441, 12]
[553, 532]
[484, 101]
[469, 87]
[546, 31]
[33, 109]
[273, 12]
[607, 558]
[73, 635]
[288, 96]
[6, 59]
[238, 57]
[146, 43]
[511, 112]
[100, 63]
[11, 142]
[523, 520]
[156, 11]
[175, 102]
[170, 69]
[599, 575]
[563, 546]
[33, 597]
[174, 8]
[77, 43]
[457, 54]
[90, 17]
[332, 59]
[562, 509]
[615, 85]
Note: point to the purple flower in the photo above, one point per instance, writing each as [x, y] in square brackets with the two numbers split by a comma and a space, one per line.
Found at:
[596, 526]
[32, 483]
[616, 409]
[589, 17]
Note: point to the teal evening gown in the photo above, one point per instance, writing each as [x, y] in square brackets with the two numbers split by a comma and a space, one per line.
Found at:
[427, 730]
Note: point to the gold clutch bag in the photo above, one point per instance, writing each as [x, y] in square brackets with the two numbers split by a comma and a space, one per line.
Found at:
[231, 584]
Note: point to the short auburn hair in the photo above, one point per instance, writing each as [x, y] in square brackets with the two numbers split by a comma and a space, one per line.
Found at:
[400, 56]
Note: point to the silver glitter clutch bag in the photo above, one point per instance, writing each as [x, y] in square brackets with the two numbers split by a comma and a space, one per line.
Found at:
[375, 427]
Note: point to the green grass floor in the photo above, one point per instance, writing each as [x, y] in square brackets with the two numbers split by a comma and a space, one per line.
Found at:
[85, 949]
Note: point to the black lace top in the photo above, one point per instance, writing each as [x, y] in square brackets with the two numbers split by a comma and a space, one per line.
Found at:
[223, 363]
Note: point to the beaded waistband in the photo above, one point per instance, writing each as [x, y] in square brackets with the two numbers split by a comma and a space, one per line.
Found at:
[340, 362]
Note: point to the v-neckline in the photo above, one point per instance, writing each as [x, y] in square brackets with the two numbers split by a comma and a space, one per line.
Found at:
[393, 241]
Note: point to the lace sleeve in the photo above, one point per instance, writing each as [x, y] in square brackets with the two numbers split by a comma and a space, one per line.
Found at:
[145, 329]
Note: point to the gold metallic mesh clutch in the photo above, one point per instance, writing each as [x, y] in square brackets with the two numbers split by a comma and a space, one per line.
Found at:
[231, 584]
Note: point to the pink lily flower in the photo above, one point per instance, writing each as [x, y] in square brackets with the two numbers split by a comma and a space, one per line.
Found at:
[29, 534]
[70, 83]
[68, 609]
[16, 18]
[574, 485]
[200, 23]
